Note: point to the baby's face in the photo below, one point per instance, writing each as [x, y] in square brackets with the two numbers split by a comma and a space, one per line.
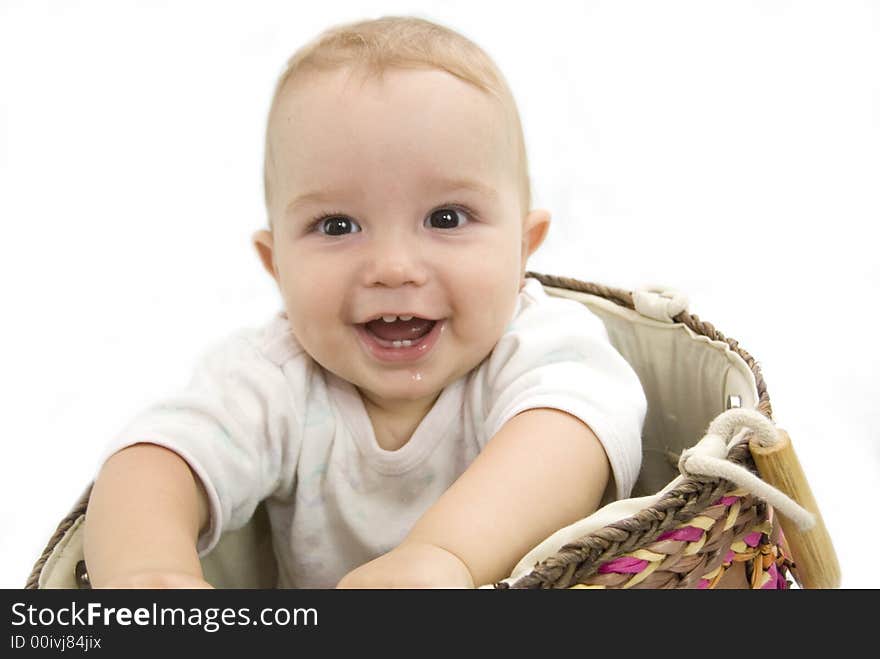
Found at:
[394, 199]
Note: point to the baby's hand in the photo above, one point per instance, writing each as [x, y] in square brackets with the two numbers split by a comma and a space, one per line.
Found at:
[411, 565]
[158, 579]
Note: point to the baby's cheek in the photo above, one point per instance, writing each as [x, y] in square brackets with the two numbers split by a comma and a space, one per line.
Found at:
[486, 327]
[306, 307]
[495, 294]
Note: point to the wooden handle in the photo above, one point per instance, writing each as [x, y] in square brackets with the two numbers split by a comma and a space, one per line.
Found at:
[815, 560]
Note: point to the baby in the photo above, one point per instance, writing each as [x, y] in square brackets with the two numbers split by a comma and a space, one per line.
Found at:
[421, 414]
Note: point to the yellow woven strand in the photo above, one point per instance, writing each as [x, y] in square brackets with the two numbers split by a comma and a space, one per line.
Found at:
[641, 576]
[701, 522]
[732, 514]
[711, 575]
[757, 572]
[646, 555]
[694, 547]
[715, 581]
[584, 586]
[746, 556]
[764, 527]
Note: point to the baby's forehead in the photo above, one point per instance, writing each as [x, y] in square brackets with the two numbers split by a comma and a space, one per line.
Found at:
[394, 86]
[337, 112]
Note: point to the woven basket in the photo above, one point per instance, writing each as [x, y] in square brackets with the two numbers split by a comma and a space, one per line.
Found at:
[676, 531]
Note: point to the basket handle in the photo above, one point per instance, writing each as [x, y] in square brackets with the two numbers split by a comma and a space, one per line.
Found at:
[815, 561]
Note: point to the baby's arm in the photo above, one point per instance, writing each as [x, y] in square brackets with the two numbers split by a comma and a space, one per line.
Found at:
[143, 520]
[543, 470]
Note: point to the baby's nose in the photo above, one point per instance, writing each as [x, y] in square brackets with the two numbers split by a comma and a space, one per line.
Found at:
[394, 263]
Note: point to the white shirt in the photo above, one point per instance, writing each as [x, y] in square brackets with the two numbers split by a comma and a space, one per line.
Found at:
[260, 420]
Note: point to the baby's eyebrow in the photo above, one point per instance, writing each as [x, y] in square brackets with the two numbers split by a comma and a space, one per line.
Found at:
[445, 184]
[456, 184]
[309, 198]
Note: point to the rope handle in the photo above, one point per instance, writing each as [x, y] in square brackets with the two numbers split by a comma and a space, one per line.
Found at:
[659, 302]
[782, 484]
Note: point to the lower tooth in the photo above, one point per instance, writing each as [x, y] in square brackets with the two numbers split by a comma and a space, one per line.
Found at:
[402, 344]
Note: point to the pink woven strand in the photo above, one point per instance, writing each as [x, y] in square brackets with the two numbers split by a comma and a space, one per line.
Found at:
[685, 534]
[753, 538]
[623, 565]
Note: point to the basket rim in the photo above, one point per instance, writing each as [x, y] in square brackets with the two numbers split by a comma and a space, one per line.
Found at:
[624, 298]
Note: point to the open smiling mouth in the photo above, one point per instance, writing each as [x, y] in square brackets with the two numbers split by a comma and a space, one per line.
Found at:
[400, 338]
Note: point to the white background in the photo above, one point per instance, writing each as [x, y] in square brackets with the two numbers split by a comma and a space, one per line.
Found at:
[727, 149]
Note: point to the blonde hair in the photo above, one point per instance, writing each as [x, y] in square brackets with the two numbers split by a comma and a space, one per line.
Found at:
[374, 46]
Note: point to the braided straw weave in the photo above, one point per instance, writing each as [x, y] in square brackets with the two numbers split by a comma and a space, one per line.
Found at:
[685, 540]
[694, 554]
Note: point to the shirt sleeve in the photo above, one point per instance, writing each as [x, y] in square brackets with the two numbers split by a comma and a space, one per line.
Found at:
[556, 354]
[233, 425]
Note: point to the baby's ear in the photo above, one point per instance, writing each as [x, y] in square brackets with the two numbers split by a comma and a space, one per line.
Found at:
[263, 241]
[535, 228]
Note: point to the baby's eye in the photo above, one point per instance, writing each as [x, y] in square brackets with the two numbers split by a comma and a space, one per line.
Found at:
[447, 218]
[336, 225]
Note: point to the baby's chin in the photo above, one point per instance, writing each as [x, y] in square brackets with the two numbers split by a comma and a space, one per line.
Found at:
[405, 388]
[405, 409]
